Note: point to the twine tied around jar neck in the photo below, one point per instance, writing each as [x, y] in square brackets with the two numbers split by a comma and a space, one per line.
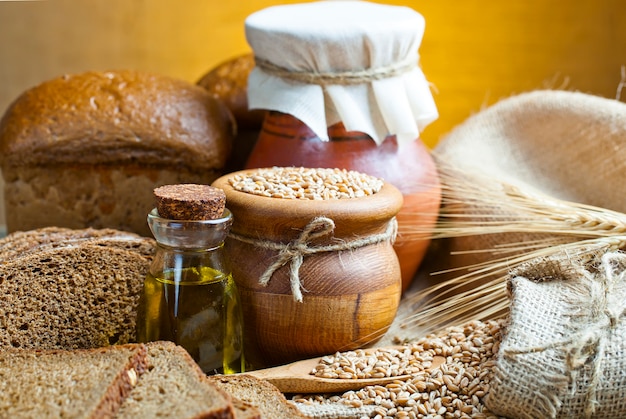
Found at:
[294, 251]
[589, 344]
[343, 78]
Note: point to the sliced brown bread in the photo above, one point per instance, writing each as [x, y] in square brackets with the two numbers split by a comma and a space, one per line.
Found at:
[174, 386]
[70, 384]
[259, 393]
[71, 296]
[21, 243]
[245, 410]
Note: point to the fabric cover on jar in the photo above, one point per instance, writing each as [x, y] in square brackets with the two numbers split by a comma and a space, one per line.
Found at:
[342, 61]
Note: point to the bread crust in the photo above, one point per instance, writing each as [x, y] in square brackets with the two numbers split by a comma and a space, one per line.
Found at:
[124, 382]
[191, 397]
[228, 81]
[259, 393]
[22, 243]
[117, 117]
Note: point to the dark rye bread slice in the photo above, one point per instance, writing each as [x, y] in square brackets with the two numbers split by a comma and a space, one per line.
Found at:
[70, 296]
[174, 386]
[20, 243]
[259, 393]
[71, 384]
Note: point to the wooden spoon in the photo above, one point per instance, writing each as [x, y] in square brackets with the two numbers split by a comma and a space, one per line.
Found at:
[297, 378]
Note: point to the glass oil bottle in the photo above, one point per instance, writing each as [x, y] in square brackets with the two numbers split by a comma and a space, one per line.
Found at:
[189, 295]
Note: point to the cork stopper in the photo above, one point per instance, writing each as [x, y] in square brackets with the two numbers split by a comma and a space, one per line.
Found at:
[190, 202]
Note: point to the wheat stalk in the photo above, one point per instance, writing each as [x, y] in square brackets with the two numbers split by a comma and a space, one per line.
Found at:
[475, 205]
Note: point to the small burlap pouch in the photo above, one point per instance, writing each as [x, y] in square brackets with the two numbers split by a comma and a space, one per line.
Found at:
[563, 354]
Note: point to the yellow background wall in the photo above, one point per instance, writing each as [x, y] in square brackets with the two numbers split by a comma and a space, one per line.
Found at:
[474, 52]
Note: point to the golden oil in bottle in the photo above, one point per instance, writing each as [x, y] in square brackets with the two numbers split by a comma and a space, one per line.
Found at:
[189, 296]
[198, 308]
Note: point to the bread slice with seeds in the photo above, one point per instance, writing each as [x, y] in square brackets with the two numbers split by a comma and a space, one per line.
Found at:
[88, 383]
[174, 386]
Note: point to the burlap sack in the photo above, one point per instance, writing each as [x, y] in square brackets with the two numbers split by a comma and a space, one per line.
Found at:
[564, 352]
[568, 145]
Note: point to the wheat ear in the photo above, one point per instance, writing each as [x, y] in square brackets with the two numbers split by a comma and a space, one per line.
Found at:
[476, 205]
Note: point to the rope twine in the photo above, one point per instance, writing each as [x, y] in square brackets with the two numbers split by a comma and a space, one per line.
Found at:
[589, 344]
[343, 78]
[294, 251]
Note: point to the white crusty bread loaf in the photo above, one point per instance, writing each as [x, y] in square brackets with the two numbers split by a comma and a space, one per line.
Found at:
[86, 150]
[71, 292]
[68, 384]
[259, 393]
[174, 386]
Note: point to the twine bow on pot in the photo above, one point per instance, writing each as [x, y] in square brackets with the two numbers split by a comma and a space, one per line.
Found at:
[294, 251]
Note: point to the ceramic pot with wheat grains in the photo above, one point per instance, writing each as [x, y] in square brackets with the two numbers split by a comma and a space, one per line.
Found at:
[313, 258]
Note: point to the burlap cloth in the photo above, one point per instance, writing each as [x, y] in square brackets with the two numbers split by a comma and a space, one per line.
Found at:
[568, 145]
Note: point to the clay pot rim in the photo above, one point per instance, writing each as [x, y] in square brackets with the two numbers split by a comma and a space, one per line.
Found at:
[388, 195]
[373, 211]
